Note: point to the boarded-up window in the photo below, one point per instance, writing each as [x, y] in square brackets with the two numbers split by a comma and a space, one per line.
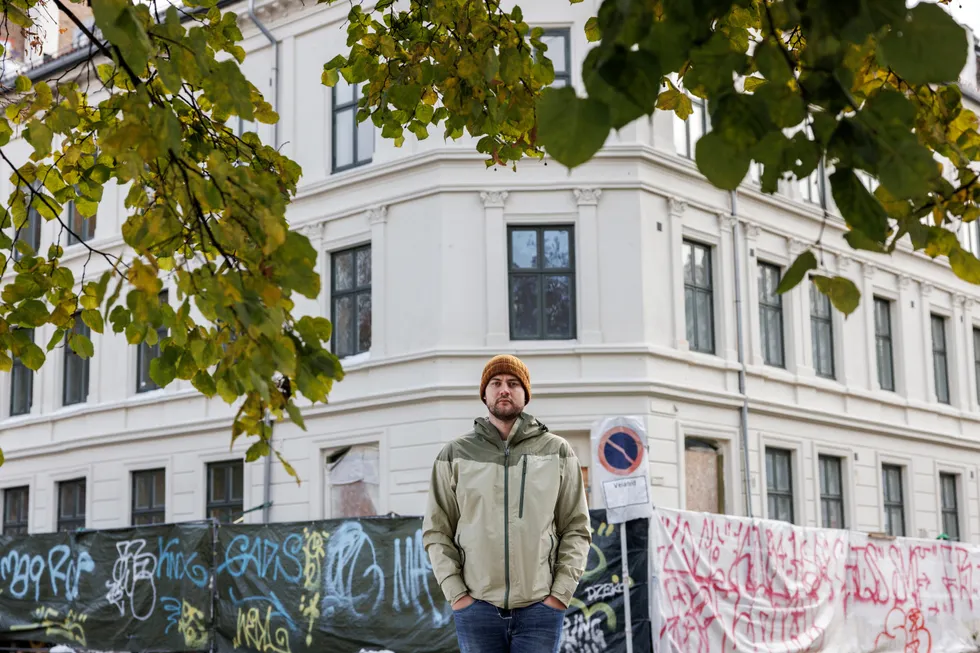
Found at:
[704, 473]
[353, 481]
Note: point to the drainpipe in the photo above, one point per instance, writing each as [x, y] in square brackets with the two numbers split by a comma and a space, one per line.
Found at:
[267, 489]
[275, 68]
[736, 244]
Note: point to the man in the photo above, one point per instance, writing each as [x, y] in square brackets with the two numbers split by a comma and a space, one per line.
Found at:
[507, 525]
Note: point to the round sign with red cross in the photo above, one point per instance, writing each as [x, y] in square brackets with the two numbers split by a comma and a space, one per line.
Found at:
[621, 450]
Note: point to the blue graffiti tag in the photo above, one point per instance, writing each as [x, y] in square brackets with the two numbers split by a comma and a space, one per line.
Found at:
[172, 607]
[25, 570]
[263, 554]
[272, 599]
[176, 565]
[411, 580]
[343, 560]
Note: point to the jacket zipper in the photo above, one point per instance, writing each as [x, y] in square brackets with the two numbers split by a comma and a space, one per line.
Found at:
[506, 529]
[523, 477]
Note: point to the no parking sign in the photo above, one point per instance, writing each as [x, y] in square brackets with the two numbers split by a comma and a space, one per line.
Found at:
[619, 448]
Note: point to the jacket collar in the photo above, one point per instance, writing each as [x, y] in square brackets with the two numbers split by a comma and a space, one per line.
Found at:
[526, 427]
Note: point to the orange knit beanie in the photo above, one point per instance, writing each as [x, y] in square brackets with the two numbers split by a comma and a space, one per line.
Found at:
[506, 364]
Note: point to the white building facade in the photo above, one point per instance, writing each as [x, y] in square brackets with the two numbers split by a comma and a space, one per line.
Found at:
[615, 283]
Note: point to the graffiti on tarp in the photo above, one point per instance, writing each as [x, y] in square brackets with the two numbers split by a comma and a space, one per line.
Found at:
[342, 585]
[725, 580]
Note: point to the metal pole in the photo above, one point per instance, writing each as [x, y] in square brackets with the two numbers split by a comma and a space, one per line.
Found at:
[275, 67]
[626, 588]
[267, 484]
[736, 244]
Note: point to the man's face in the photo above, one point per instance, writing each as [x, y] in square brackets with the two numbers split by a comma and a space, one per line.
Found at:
[505, 396]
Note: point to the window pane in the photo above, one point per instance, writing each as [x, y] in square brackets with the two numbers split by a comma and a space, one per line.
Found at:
[344, 326]
[942, 378]
[219, 484]
[525, 297]
[343, 271]
[705, 336]
[159, 489]
[702, 267]
[524, 249]
[558, 306]
[343, 138]
[237, 483]
[141, 498]
[688, 263]
[556, 51]
[363, 321]
[690, 312]
[343, 92]
[363, 267]
[556, 249]
[365, 140]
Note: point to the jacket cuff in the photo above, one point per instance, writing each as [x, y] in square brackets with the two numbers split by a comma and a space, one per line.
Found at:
[563, 588]
[453, 587]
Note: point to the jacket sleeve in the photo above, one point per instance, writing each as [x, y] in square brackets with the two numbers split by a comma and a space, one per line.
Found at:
[439, 528]
[574, 529]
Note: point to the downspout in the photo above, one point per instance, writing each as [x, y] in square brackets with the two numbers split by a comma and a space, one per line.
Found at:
[267, 484]
[736, 244]
[275, 68]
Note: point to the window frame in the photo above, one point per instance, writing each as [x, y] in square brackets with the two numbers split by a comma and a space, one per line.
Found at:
[16, 370]
[890, 505]
[936, 319]
[21, 527]
[146, 351]
[954, 510]
[69, 354]
[826, 320]
[708, 290]
[699, 110]
[541, 272]
[826, 497]
[155, 508]
[32, 226]
[773, 492]
[976, 359]
[566, 34]
[776, 310]
[335, 110]
[327, 463]
[84, 227]
[881, 338]
[80, 504]
[229, 503]
[354, 292]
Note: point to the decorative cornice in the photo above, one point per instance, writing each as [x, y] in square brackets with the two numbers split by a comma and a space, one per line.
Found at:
[904, 281]
[726, 221]
[959, 300]
[378, 215]
[676, 207]
[269, 11]
[494, 199]
[968, 304]
[752, 231]
[869, 270]
[587, 196]
[312, 229]
[925, 288]
[796, 246]
[844, 263]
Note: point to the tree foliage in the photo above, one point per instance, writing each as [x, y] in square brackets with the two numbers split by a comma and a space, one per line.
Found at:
[793, 84]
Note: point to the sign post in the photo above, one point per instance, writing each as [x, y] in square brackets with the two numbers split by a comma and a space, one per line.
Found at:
[619, 444]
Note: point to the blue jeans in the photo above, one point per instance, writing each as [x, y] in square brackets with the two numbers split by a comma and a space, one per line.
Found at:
[484, 628]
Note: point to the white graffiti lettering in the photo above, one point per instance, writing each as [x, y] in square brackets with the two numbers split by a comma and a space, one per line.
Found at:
[602, 592]
[582, 635]
[132, 567]
[412, 580]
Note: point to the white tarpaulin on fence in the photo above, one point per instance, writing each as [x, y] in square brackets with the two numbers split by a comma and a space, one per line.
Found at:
[725, 584]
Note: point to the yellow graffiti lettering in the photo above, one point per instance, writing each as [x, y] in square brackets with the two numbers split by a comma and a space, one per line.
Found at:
[313, 553]
[311, 612]
[588, 611]
[191, 626]
[255, 632]
[71, 627]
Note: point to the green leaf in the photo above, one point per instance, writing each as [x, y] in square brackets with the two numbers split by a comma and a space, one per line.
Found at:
[289, 468]
[256, 451]
[81, 345]
[965, 265]
[842, 292]
[22, 83]
[204, 384]
[121, 26]
[571, 129]
[32, 356]
[860, 209]
[93, 319]
[6, 362]
[794, 275]
[162, 370]
[55, 338]
[724, 164]
[295, 415]
[592, 31]
[929, 47]
[31, 313]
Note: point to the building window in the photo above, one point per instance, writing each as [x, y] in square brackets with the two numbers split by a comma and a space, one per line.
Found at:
[71, 505]
[149, 497]
[21, 383]
[559, 52]
[940, 364]
[688, 132]
[894, 500]
[82, 228]
[698, 297]
[226, 487]
[704, 475]
[812, 188]
[542, 283]
[75, 388]
[353, 142]
[976, 360]
[779, 484]
[821, 332]
[883, 343]
[353, 481]
[831, 492]
[351, 299]
[771, 315]
[950, 505]
[30, 232]
[16, 507]
[145, 353]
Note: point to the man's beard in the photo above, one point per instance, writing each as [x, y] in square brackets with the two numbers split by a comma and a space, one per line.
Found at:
[505, 411]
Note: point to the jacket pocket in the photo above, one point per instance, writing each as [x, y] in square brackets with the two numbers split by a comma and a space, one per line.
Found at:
[523, 483]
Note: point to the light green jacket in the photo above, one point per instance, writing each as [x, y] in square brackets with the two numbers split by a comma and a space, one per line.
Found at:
[507, 521]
